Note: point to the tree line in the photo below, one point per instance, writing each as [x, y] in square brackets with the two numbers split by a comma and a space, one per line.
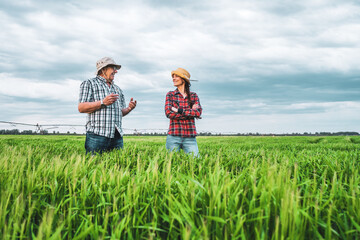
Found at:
[46, 132]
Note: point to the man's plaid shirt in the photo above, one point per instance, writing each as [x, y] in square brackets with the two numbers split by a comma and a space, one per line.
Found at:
[182, 124]
[104, 120]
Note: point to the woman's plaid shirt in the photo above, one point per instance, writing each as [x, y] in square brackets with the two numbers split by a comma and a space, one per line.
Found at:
[183, 124]
[104, 120]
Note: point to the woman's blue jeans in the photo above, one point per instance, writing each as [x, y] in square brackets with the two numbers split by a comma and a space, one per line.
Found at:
[187, 144]
[98, 144]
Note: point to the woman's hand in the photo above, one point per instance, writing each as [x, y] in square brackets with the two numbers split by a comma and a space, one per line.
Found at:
[174, 109]
[195, 106]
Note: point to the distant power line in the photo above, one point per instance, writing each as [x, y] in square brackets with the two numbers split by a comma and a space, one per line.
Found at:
[15, 123]
[39, 127]
[46, 125]
[68, 125]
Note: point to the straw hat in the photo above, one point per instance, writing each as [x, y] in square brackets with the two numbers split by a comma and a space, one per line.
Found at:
[182, 73]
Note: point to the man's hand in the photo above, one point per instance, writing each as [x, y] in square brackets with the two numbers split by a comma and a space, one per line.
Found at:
[132, 104]
[110, 99]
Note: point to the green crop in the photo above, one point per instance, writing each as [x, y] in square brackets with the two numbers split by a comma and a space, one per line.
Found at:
[240, 188]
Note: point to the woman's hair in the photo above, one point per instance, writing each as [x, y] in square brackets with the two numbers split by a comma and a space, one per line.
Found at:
[187, 91]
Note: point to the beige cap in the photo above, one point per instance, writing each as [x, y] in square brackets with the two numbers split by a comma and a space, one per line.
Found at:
[105, 61]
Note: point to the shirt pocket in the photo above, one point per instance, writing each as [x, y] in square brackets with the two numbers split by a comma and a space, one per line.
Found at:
[99, 93]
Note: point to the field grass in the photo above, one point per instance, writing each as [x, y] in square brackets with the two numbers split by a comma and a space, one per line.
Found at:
[240, 188]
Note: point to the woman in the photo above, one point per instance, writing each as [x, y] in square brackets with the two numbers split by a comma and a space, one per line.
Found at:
[182, 107]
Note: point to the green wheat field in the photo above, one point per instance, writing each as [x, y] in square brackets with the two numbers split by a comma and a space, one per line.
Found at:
[240, 188]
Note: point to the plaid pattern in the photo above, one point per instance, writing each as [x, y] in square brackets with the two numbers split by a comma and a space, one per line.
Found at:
[182, 125]
[103, 121]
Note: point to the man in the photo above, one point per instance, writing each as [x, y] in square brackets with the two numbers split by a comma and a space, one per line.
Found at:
[105, 104]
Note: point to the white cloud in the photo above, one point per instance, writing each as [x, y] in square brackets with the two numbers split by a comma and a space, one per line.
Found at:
[328, 106]
[50, 48]
[335, 120]
[66, 91]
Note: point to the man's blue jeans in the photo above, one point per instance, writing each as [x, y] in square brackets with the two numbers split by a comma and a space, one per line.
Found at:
[98, 144]
[188, 144]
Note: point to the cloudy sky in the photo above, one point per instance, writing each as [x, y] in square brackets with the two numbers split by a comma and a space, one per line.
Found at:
[263, 66]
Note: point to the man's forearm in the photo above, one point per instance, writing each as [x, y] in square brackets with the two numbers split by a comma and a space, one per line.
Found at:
[125, 111]
[89, 107]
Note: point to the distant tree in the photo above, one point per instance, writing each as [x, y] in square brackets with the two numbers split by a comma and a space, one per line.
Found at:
[12, 131]
[44, 132]
[27, 132]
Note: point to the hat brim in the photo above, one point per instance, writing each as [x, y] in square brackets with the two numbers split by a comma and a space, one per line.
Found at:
[180, 75]
[116, 65]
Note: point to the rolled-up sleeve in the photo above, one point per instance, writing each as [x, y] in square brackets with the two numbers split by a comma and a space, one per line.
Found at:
[86, 94]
